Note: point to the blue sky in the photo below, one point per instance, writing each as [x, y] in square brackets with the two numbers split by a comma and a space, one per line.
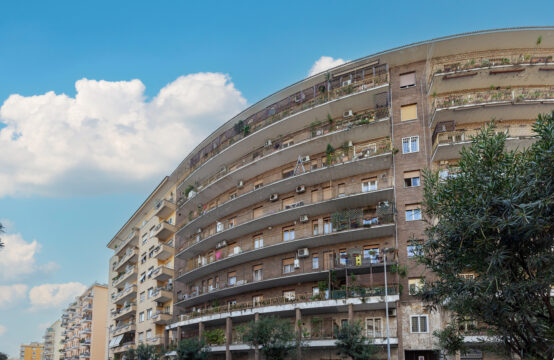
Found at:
[64, 193]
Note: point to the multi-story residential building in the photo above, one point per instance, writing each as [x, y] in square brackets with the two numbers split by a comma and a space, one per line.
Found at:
[52, 341]
[141, 273]
[307, 204]
[32, 351]
[84, 323]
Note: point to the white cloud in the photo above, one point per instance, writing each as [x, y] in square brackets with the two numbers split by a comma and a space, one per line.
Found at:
[2, 330]
[108, 137]
[324, 63]
[54, 295]
[10, 294]
[17, 258]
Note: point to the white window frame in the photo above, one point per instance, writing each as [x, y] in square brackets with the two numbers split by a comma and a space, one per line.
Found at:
[369, 185]
[409, 140]
[411, 214]
[374, 335]
[419, 324]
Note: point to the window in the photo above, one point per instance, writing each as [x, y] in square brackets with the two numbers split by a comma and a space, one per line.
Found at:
[315, 290]
[232, 196]
[313, 166]
[231, 302]
[315, 227]
[415, 285]
[407, 80]
[288, 233]
[408, 112]
[232, 278]
[288, 202]
[289, 295]
[257, 300]
[373, 327]
[343, 257]
[234, 249]
[315, 196]
[258, 184]
[414, 248]
[410, 144]
[257, 212]
[287, 143]
[142, 296]
[315, 261]
[413, 212]
[288, 265]
[369, 184]
[258, 242]
[143, 258]
[150, 292]
[232, 222]
[288, 172]
[148, 334]
[418, 324]
[467, 324]
[257, 272]
[327, 193]
[142, 277]
[141, 336]
[341, 190]
[411, 178]
[151, 252]
[149, 314]
[152, 231]
[327, 226]
[144, 238]
[150, 270]
[371, 254]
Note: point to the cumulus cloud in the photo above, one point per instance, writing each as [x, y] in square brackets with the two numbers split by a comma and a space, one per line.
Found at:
[108, 137]
[17, 259]
[11, 294]
[2, 330]
[324, 63]
[54, 295]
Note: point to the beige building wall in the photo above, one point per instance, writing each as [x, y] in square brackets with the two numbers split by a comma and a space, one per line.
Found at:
[99, 322]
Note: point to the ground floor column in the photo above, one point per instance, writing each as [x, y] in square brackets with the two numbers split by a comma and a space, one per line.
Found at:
[166, 338]
[350, 313]
[200, 330]
[228, 338]
[298, 330]
[256, 349]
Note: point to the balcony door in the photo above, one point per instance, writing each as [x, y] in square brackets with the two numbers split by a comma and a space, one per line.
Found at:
[328, 260]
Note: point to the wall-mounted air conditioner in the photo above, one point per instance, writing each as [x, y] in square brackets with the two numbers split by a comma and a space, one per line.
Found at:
[199, 230]
[300, 189]
[303, 252]
[305, 158]
[240, 184]
[347, 114]
[274, 197]
[304, 218]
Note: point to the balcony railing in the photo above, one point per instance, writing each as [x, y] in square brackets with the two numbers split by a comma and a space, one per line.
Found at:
[123, 276]
[296, 299]
[124, 258]
[128, 290]
[132, 235]
[316, 130]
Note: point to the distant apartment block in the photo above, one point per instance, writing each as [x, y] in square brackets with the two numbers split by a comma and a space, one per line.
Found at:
[52, 342]
[33, 351]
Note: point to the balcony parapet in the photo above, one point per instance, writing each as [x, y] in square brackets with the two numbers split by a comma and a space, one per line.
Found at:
[164, 208]
[129, 255]
[131, 239]
[122, 278]
[164, 230]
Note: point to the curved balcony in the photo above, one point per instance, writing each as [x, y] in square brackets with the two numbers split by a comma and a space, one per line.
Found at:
[122, 329]
[501, 104]
[162, 294]
[193, 248]
[375, 231]
[162, 273]
[447, 145]
[162, 318]
[124, 347]
[164, 208]
[381, 159]
[163, 251]
[132, 239]
[129, 256]
[125, 312]
[360, 95]
[164, 230]
[129, 275]
[127, 294]
[335, 302]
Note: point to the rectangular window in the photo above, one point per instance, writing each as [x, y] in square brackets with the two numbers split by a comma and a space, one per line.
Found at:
[313, 166]
[288, 233]
[415, 285]
[343, 257]
[257, 300]
[418, 324]
[232, 278]
[315, 227]
[373, 327]
[142, 296]
[232, 196]
[148, 314]
[289, 295]
[315, 196]
[411, 178]
[341, 190]
[144, 238]
[466, 276]
[288, 265]
[327, 193]
[414, 248]
[410, 144]
[141, 317]
[257, 212]
[369, 184]
[142, 277]
[327, 226]
[407, 80]
[315, 261]
[148, 334]
[371, 254]
[315, 290]
[141, 336]
[288, 172]
[257, 272]
[150, 292]
[413, 212]
[408, 112]
[232, 222]
[258, 242]
[287, 143]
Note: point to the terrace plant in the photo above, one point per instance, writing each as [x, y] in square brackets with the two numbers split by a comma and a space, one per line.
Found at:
[215, 336]
[192, 349]
[276, 337]
[352, 342]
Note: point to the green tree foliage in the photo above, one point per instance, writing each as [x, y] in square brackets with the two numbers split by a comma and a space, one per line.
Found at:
[352, 342]
[276, 337]
[192, 349]
[495, 219]
[146, 352]
[130, 354]
[2, 355]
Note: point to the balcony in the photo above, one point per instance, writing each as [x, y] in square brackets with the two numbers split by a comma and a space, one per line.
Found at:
[192, 248]
[333, 302]
[162, 318]
[124, 347]
[380, 230]
[164, 208]
[162, 294]
[84, 331]
[164, 230]
[500, 104]
[164, 251]
[273, 120]
[447, 145]
[130, 274]
[124, 328]
[125, 312]
[129, 256]
[249, 165]
[162, 273]
[132, 239]
[127, 294]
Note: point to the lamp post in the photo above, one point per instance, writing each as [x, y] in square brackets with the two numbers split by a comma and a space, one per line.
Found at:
[386, 301]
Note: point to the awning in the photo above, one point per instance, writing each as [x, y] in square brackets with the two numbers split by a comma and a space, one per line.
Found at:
[115, 341]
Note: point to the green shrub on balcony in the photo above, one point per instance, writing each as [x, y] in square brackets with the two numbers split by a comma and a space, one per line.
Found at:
[215, 336]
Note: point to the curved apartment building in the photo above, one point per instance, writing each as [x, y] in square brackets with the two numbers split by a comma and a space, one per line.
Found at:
[307, 204]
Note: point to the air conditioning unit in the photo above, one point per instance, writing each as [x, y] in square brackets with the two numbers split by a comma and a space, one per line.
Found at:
[305, 159]
[274, 197]
[392, 312]
[268, 143]
[300, 189]
[303, 252]
[219, 226]
[347, 114]
[296, 264]
[240, 184]
[346, 82]
[304, 218]
[199, 231]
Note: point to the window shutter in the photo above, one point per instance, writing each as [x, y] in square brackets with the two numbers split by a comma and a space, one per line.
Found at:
[257, 212]
[407, 80]
[413, 206]
[408, 112]
[288, 201]
[327, 193]
[257, 267]
[288, 261]
[411, 174]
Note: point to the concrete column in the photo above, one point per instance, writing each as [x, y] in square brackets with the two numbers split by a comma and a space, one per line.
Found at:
[166, 338]
[200, 330]
[297, 328]
[228, 337]
[350, 313]
[256, 349]
[179, 334]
